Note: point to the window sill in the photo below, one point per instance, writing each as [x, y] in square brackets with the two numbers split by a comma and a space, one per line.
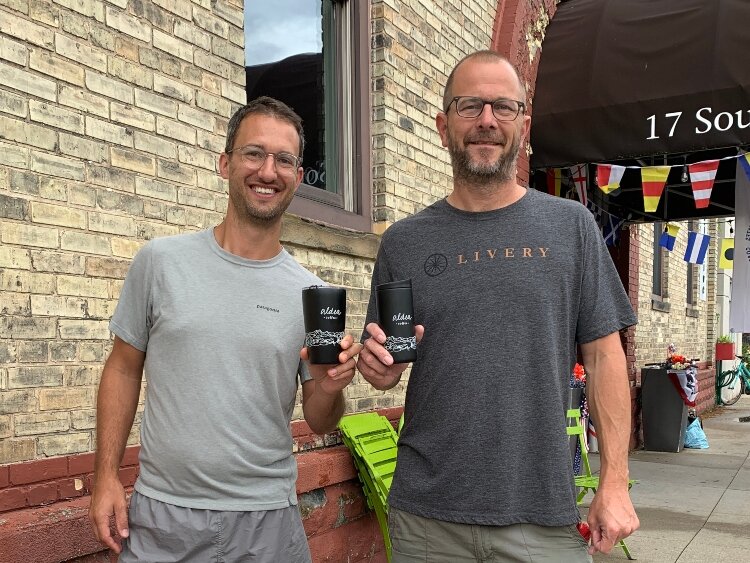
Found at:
[658, 305]
[326, 237]
[319, 205]
[692, 312]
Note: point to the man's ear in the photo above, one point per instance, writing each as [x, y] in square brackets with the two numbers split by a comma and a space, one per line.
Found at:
[224, 165]
[526, 128]
[441, 122]
[300, 175]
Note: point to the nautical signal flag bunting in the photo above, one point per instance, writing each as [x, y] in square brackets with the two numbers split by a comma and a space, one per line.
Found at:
[653, 179]
[702, 176]
[697, 247]
[726, 256]
[669, 236]
[609, 176]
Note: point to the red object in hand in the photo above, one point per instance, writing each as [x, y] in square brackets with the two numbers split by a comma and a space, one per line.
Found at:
[584, 530]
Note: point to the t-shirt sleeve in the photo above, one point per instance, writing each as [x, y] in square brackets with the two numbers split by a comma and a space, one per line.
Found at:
[133, 316]
[605, 307]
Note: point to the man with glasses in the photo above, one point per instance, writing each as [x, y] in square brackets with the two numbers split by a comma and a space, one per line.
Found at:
[507, 282]
[215, 317]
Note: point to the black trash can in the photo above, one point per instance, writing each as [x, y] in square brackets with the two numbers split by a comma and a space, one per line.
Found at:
[663, 412]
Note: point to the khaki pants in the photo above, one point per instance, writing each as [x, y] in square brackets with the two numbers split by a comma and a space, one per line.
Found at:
[424, 540]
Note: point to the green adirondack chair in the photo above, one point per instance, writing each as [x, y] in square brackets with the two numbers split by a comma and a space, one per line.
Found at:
[588, 482]
[372, 442]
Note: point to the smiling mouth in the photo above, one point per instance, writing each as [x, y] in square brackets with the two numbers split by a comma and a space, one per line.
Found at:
[485, 143]
[263, 190]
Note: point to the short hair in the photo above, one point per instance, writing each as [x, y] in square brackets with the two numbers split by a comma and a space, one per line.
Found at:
[265, 105]
[484, 56]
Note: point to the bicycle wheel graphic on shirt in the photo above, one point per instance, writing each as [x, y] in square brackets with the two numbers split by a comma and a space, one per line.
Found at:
[435, 265]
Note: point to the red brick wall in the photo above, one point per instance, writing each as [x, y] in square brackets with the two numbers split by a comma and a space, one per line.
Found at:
[44, 505]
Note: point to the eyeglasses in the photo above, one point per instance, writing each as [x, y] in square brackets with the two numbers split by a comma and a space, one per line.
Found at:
[285, 163]
[502, 109]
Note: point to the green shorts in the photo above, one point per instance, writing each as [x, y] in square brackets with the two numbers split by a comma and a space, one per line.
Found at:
[424, 540]
[164, 533]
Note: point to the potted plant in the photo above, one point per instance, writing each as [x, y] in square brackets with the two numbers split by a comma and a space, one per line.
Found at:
[724, 348]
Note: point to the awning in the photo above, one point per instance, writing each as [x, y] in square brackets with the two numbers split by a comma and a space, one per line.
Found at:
[623, 79]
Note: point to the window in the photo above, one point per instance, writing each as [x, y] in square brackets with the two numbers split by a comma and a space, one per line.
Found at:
[313, 55]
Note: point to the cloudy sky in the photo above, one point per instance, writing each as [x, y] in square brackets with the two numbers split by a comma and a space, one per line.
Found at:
[276, 29]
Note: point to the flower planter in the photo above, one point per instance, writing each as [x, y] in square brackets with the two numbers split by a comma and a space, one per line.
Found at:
[724, 351]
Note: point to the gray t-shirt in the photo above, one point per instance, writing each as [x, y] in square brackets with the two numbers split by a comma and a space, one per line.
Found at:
[504, 297]
[222, 336]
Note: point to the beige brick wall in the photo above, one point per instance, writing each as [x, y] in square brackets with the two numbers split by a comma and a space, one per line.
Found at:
[692, 335]
[111, 116]
[416, 43]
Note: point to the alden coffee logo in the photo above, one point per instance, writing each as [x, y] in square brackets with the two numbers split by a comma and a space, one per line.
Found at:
[401, 319]
[330, 313]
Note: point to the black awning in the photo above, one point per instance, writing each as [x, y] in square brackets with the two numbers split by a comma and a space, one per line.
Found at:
[621, 79]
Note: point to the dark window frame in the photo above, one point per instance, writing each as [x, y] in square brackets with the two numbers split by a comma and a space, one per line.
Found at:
[320, 205]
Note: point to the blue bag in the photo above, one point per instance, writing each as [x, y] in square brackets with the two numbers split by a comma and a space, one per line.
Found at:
[695, 437]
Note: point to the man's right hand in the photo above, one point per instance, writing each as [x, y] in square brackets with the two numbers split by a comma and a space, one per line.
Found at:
[108, 499]
[376, 364]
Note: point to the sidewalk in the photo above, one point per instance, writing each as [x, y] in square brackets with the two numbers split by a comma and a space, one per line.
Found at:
[694, 506]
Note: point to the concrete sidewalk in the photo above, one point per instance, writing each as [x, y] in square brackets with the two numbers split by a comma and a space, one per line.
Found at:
[694, 506]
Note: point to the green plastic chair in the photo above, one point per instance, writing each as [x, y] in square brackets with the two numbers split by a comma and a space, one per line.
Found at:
[588, 482]
[372, 442]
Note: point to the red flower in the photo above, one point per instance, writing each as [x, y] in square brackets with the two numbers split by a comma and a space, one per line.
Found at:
[579, 373]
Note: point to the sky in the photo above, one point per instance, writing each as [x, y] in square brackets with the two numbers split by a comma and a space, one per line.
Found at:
[276, 29]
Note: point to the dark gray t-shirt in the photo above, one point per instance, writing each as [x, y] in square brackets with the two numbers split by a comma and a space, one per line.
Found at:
[504, 297]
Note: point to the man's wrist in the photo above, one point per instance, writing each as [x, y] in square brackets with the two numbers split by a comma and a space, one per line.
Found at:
[332, 395]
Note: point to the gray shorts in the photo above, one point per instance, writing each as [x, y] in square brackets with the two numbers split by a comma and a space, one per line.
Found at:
[164, 533]
[424, 540]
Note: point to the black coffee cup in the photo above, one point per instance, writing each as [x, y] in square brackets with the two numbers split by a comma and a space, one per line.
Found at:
[396, 318]
[324, 309]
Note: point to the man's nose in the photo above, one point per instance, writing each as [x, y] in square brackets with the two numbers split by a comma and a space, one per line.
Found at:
[487, 119]
[267, 170]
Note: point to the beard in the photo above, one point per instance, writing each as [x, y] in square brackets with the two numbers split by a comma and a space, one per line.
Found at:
[503, 169]
[250, 212]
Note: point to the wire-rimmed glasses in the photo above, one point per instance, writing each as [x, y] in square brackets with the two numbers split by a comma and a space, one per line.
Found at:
[254, 156]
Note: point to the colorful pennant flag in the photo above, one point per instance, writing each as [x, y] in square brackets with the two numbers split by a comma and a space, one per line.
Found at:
[697, 247]
[744, 161]
[609, 225]
[702, 176]
[669, 236]
[653, 179]
[726, 256]
[611, 229]
[579, 175]
[554, 181]
[608, 176]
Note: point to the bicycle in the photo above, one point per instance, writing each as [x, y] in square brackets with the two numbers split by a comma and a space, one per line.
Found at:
[729, 379]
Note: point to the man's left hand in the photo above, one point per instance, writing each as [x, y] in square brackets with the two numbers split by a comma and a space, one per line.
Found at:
[332, 378]
[611, 518]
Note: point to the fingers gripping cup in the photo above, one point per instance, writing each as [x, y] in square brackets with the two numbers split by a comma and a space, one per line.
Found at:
[396, 318]
[324, 309]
